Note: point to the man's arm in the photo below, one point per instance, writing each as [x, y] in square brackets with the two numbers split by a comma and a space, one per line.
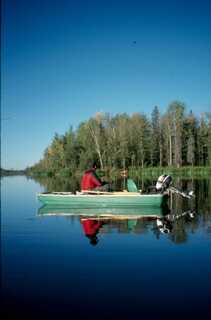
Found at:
[96, 179]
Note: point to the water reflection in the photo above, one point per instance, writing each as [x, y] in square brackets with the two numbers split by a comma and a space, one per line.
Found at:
[165, 225]
[161, 222]
[91, 228]
[50, 267]
[58, 184]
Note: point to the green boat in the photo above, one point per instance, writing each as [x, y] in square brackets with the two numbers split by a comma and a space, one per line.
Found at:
[91, 200]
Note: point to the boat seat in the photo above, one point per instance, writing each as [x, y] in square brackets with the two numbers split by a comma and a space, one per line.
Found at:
[131, 186]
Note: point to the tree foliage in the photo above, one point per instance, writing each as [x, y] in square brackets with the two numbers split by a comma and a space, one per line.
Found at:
[172, 139]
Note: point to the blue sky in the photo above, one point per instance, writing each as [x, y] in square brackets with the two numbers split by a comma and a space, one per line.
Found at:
[63, 61]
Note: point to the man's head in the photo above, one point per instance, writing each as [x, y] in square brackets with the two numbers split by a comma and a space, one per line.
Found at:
[94, 165]
[93, 240]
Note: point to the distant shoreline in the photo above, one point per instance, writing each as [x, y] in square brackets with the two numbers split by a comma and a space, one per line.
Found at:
[6, 173]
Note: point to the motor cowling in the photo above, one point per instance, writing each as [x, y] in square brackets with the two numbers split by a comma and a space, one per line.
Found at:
[163, 182]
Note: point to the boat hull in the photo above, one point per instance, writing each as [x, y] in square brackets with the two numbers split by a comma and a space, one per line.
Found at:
[101, 201]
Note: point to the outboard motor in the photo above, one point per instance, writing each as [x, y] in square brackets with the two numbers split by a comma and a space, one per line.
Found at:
[163, 183]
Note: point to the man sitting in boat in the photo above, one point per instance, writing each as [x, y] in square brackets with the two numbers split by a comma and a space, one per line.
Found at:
[91, 181]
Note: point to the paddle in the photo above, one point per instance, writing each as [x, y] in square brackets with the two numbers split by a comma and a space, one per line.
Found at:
[131, 186]
[94, 192]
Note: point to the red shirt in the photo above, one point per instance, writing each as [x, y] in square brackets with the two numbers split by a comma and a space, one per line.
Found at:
[91, 227]
[90, 180]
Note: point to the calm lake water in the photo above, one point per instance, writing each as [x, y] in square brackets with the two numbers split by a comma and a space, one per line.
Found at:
[135, 269]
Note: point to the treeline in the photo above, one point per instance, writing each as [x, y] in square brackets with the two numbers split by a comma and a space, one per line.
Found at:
[10, 172]
[175, 139]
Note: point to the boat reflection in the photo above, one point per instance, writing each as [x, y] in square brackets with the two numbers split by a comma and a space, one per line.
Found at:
[96, 222]
[126, 224]
[165, 224]
[105, 212]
